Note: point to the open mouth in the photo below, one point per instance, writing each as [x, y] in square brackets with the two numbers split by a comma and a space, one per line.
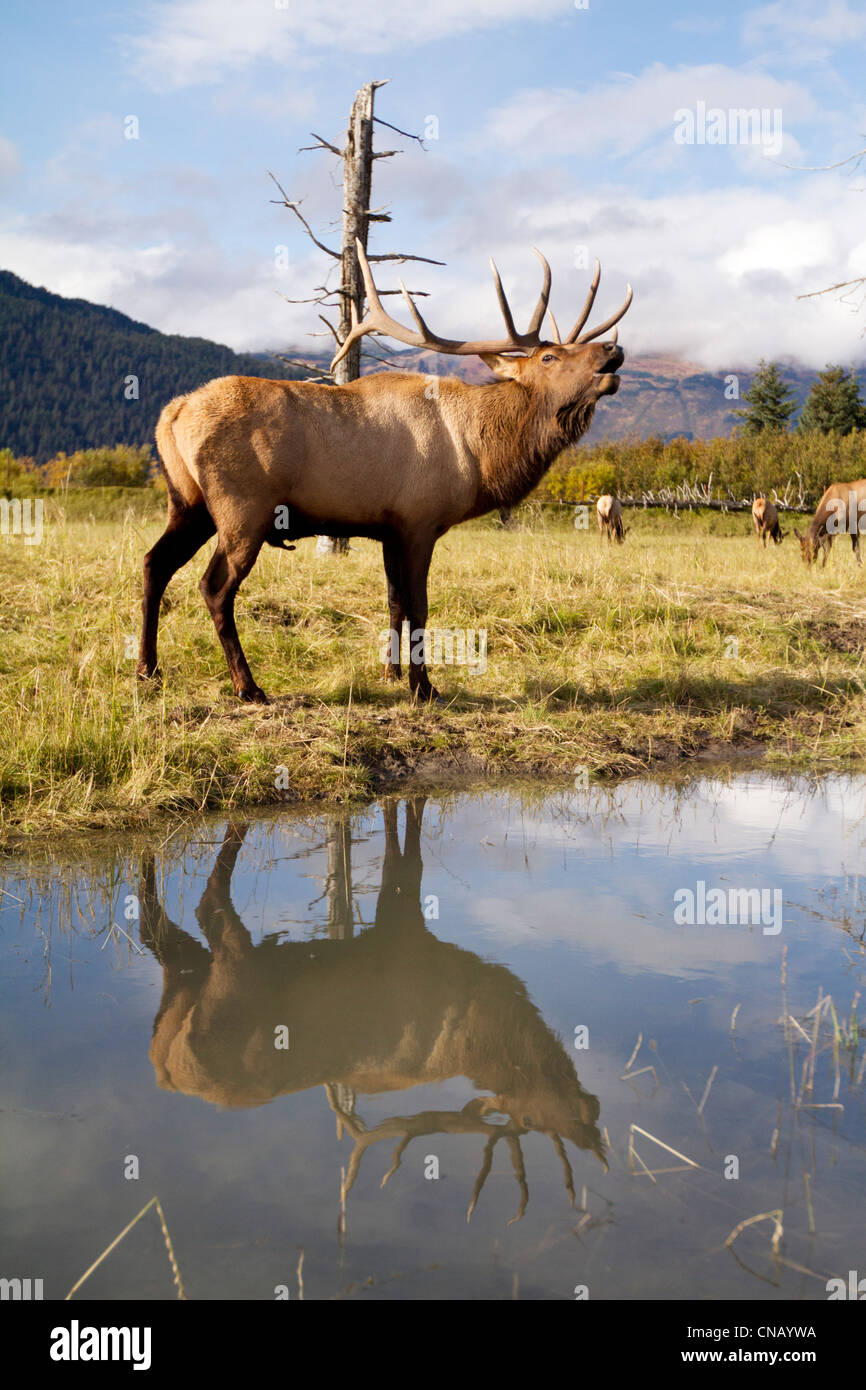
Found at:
[606, 380]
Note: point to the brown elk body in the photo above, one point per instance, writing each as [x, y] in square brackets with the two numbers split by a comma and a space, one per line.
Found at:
[386, 457]
[766, 518]
[608, 509]
[384, 1011]
[840, 509]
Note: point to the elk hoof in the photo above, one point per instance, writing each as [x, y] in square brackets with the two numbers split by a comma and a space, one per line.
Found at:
[392, 673]
[255, 696]
[148, 673]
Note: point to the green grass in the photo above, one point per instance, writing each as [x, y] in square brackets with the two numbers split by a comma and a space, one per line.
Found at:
[609, 658]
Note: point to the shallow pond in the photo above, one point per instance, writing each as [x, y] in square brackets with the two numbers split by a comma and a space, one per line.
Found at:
[532, 1009]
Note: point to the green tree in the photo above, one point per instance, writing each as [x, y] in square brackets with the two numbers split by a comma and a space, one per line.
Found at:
[833, 405]
[771, 402]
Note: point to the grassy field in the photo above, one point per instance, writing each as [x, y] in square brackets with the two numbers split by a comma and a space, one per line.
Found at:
[689, 641]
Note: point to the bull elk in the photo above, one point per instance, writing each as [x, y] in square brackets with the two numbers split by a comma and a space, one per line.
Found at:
[268, 462]
[839, 510]
[609, 512]
[766, 518]
[383, 1011]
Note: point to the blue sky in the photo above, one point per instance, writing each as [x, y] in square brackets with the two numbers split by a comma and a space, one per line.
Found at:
[556, 128]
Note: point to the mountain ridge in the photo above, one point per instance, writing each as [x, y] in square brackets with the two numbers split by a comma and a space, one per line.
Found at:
[66, 367]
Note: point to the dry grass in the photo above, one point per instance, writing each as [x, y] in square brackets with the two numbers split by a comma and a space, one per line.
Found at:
[676, 644]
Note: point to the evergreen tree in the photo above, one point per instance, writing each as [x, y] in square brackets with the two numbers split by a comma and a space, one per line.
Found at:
[833, 404]
[771, 401]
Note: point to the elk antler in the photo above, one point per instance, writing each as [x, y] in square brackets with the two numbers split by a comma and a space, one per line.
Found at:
[469, 1120]
[378, 321]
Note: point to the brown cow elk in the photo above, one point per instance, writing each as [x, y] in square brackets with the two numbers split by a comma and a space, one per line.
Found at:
[766, 518]
[386, 457]
[608, 509]
[840, 509]
[382, 1011]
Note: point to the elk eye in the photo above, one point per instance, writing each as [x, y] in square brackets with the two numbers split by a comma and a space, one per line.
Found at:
[549, 357]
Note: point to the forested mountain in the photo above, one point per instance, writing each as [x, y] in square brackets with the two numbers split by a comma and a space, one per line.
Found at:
[65, 364]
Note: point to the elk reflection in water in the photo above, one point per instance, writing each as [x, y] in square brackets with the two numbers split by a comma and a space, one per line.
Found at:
[388, 1009]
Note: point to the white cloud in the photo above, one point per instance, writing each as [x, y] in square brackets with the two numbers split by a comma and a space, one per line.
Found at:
[792, 248]
[802, 29]
[626, 113]
[188, 42]
[716, 273]
[73, 269]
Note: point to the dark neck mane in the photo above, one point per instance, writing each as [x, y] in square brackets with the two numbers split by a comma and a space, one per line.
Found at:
[517, 440]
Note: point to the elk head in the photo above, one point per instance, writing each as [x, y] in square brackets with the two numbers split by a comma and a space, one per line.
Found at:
[571, 374]
[808, 547]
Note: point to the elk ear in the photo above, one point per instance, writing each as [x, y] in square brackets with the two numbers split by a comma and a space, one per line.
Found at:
[506, 367]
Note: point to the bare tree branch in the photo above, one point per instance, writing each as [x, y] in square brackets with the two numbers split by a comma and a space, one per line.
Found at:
[406, 133]
[399, 256]
[843, 285]
[293, 207]
[322, 145]
[855, 161]
[331, 329]
[321, 372]
[821, 168]
[316, 299]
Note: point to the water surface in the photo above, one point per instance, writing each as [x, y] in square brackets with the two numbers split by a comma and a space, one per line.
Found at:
[327, 1041]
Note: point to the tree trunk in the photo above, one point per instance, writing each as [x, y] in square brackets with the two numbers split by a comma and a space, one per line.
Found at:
[357, 183]
[341, 922]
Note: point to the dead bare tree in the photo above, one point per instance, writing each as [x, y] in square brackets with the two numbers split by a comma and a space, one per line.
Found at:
[357, 155]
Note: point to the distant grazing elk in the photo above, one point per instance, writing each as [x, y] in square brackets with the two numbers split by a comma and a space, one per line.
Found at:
[609, 512]
[384, 1011]
[386, 457]
[766, 518]
[839, 510]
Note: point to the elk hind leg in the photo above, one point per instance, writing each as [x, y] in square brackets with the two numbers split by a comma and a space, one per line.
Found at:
[187, 530]
[227, 570]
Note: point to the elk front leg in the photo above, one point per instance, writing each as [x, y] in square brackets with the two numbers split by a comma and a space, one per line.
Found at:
[393, 670]
[222, 579]
[416, 555]
[222, 927]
